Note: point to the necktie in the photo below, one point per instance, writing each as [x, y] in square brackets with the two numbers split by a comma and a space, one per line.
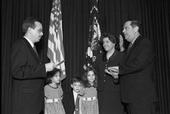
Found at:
[130, 45]
[77, 104]
[35, 50]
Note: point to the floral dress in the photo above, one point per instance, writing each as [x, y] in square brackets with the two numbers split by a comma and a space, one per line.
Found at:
[53, 97]
[89, 102]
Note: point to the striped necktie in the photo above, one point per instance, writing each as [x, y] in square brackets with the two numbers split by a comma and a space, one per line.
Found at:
[35, 50]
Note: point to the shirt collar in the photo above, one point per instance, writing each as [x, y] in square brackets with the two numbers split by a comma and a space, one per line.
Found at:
[30, 42]
[75, 96]
[75, 93]
[134, 39]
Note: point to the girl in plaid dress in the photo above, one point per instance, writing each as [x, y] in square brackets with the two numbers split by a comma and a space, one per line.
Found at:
[53, 94]
[89, 101]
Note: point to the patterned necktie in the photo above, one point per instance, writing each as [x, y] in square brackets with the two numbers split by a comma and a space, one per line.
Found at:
[35, 50]
[77, 104]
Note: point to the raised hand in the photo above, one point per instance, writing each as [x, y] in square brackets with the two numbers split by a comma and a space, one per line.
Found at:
[121, 42]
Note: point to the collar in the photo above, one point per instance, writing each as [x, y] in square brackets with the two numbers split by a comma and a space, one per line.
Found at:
[30, 42]
[75, 93]
[75, 96]
[135, 39]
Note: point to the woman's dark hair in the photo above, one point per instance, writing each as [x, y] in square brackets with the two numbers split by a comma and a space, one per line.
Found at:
[87, 84]
[111, 37]
[51, 74]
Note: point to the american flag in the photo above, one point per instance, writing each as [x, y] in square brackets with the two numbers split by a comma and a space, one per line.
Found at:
[55, 40]
[94, 35]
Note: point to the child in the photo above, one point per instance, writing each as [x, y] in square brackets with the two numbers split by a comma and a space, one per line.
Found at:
[53, 93]
[89, 101]
[70, 97]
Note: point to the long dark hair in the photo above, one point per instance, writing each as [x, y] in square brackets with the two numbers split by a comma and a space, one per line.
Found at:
[111, 37]
[87, 84]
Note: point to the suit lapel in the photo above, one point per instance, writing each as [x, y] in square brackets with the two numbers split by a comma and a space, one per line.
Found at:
[31, 49]
[135, 44]
[72, 101]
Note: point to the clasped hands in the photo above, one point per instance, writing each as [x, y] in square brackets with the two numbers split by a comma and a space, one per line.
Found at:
[113, 71]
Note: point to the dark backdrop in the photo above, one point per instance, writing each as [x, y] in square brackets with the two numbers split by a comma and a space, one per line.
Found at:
[154, 15]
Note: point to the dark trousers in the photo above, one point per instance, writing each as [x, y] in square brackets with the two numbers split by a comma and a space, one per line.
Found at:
[143, 107]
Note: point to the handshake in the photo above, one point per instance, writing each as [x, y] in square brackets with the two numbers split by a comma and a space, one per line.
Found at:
[113, 71]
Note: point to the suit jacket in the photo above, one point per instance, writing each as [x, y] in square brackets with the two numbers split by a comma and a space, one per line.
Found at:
[136, 72]
[28, 74]
[68, 101]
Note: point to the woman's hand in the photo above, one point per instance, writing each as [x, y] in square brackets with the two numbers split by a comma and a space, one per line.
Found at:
[113, 71]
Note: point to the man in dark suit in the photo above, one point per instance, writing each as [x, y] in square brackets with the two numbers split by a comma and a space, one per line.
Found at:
[28, 72]
[137, 89]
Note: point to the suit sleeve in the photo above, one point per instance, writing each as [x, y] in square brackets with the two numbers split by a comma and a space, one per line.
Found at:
[23, 68]
[139, 60]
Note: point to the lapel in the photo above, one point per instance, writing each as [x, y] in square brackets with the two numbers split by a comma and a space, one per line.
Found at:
[31, 49]
[135, 44]
[113, 56]
[111, 59]
[71, 97]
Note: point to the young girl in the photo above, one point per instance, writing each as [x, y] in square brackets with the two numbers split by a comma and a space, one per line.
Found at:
[89, 101]
[54, 93]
